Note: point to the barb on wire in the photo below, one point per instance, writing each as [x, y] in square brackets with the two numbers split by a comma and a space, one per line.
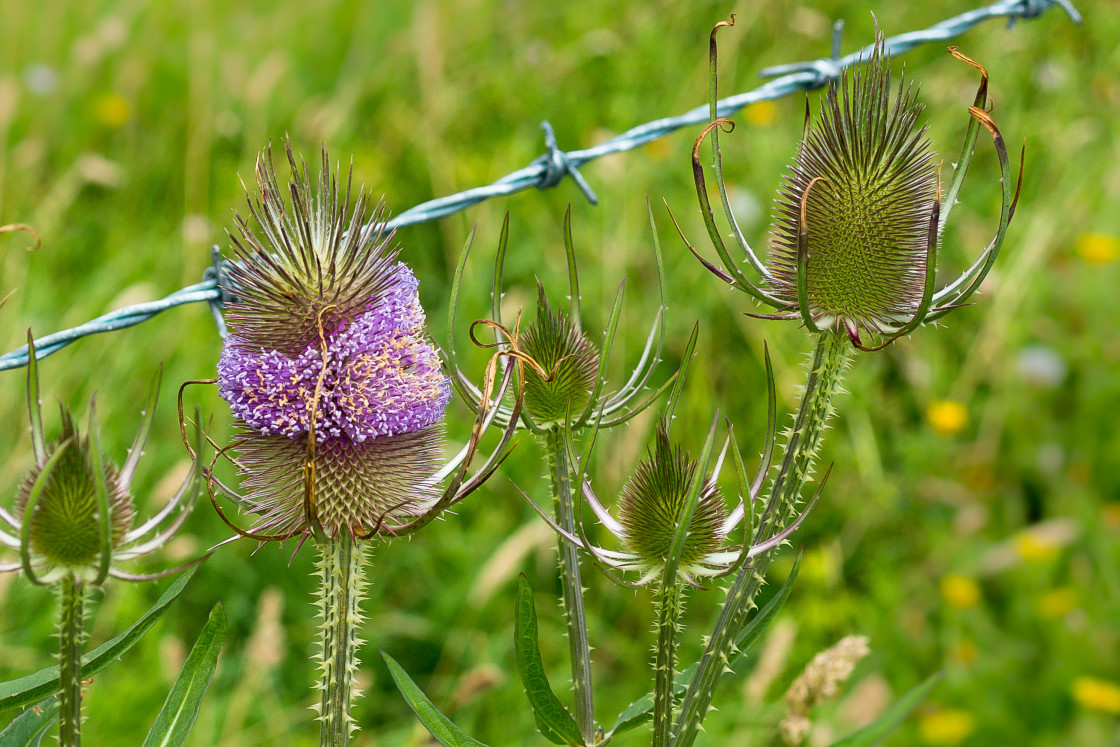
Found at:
[550, 169]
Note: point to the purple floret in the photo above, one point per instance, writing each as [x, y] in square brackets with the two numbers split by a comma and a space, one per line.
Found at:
[383, 377]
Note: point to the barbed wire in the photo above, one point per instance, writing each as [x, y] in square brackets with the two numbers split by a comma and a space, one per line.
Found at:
[550, 169]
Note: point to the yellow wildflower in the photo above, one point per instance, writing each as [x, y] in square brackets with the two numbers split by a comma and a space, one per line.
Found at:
[112, 110]
[946, 727]
[1096, 694]
[1033, 547]
[960, 592]
[1056, 603]
[947, 417]
[761, 114]
[1098, 248]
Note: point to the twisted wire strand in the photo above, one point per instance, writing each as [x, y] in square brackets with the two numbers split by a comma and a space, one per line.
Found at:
[554, 165]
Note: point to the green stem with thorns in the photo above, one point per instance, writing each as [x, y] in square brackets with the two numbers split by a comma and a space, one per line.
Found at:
[803, 442]
[72, 595]
[669, 608]
[341, 590]
[556, 443]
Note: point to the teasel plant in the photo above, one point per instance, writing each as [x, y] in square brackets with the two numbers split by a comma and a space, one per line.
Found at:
[675, 531]
[853, 258]
[72, 525]
[338, 397]
[564, 377]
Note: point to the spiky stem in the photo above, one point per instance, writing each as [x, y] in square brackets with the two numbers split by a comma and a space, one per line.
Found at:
[341, 568]
[669, 608]
[72, 595]
[580, 651]
[803, 442]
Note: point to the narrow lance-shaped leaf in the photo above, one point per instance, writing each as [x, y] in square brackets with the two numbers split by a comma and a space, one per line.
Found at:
[553, 719]
[35, 687]
[180, 709]
[892, 718]
[439, 726]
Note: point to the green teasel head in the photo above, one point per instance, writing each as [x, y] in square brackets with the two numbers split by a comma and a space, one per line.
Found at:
[859, 216]
[73, 513]
[559, 388]
[563, 369]
[673, 525]
[61, 502]
[857, 213]
[652, 502]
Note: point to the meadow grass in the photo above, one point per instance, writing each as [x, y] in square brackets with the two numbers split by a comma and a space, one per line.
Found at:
[985, 546]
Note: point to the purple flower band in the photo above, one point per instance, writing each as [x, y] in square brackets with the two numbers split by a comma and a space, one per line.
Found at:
[382, 377]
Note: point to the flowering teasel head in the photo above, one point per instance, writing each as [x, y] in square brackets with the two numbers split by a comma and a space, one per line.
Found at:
[328, 369]
[73, 514]
[673, 524]
[563, 371]
[860, 214]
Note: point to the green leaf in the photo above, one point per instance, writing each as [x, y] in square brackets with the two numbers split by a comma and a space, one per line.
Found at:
[180, 710]
[639, 712]
[553, 719]
[28, 728]
[439, 726]
[892, 718]
[35, 687]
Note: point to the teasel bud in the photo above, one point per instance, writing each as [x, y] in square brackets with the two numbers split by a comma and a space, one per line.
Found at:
[652, 502]
[663, 493]
[73, 513]
[335, 386]
[568, 361]
[64, 528]
[565, 381]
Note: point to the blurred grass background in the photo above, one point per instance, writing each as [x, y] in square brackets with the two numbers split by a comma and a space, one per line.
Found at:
[972, 522]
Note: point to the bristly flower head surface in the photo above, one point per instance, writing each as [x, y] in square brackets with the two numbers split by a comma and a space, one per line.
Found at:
[64, 528]
[858, 200]
[655, 497]
[859, 217]
[328, 368]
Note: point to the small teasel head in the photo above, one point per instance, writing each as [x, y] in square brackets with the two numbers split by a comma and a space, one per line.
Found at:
[73, 512]
[564, 372]
[665, 493]
[569, 363]
[652, 503]
[336, 388]
[58, 506]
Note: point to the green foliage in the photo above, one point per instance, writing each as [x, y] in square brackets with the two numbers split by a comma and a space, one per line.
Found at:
[438, 725]
[29, 728]
[19, 692]
[553, 719]
[180, 710]
[436, 96]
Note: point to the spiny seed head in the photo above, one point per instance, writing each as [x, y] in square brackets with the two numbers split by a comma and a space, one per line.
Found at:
[652, 501]
[867, 180]
[570, 360]
[328, 341]
[64, 525]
